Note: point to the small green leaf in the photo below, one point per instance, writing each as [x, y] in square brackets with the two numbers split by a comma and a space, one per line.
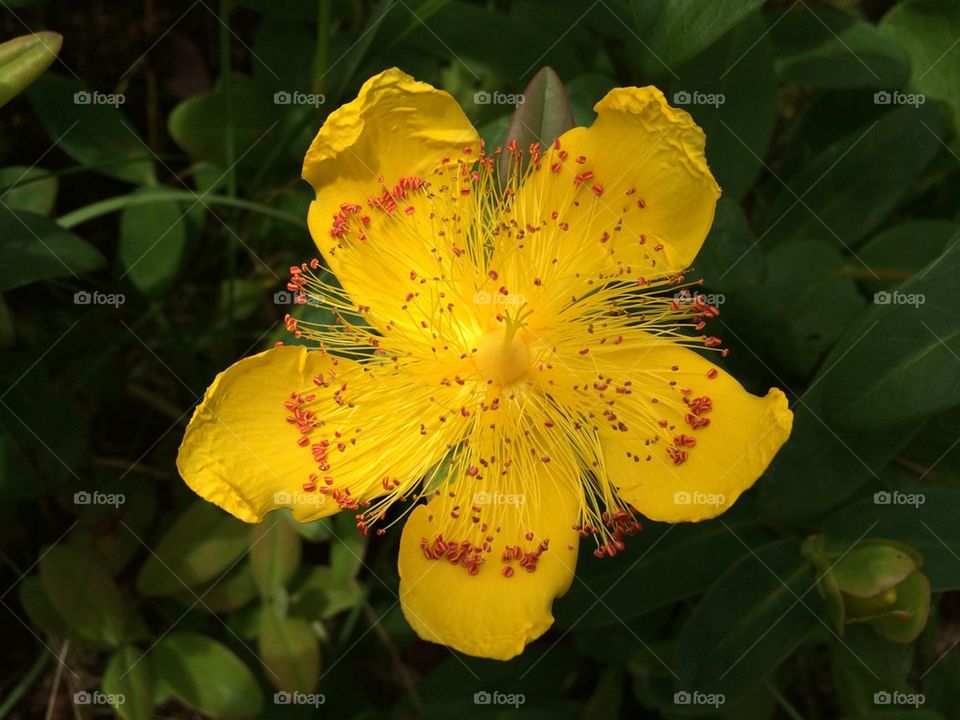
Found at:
[128, 676]
[543, 116]
[24, 59]
[34, 248]
[289, 650]
[96, 134]
[84, 594]
[274, 553]
[152, 240]
[28, 188]
[39, 609]
[321, 594]
[870, 568]
[909, 613]
[206, 675]
[203, 543]
[234, 591]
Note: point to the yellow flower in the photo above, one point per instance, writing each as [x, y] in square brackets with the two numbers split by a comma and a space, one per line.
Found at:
[514, 354]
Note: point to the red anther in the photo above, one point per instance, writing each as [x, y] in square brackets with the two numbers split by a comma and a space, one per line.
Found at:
[581, 159]
[710, 341]
[684, 441]
[597, 189]
[507, 571]
[641, 203]
[712, 373]
[473, 470]
[584, 351]
[555, 167]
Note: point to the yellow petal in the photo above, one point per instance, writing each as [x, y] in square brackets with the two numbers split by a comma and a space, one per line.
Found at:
[488, 614]
[406, 139]
[242, 452]
[631, 194]
[716, 441]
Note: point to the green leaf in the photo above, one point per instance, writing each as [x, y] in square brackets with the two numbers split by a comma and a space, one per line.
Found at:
[322, 594]
[274, 553]
[737, 72]
[748, 622]
[730, 257]
[128, 675]
[346, 552]
[543, 116]
[197, 124]
[84, 594]
[28, 188]
[289, 650]
[95, 134]
[234, 591]
[901, 251]
[206, 675]
[871, 568]
[683, 28]
[34, 248]
[928, 31]
[39, 608]
[203, 543]
[668, 564]
[152, 240]
[24, 59]
[916, 332]
[908, 615]
[871, 169]
[827, 48]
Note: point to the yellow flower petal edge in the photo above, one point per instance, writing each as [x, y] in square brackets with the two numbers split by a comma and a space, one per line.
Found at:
[507, 603]
[705, 442]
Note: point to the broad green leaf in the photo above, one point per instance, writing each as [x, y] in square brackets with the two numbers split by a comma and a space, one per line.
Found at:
[585, 91]
[28, 188]
[803, 306]
[84, 594]
[234, 591]
[866, 664]
[198, 123]
[901, 251]
[152, 240]
[543, 116]
[206, 675]
[872, 169]
[24, 59]
[869, 569]
[347, 549]
[290, 653]
[128, 675]
[731, 92]
[915, 330]
[41, 611]
[322, 594]
[681, 29]
[928, 31]
[274, 553]
[748, 622]
[203, 543]
[666, 564]
[93, 132]
[34, 248]
[730, 257]
[827, 48]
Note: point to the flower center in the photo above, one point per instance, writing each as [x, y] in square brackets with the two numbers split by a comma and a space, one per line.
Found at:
[503, 356]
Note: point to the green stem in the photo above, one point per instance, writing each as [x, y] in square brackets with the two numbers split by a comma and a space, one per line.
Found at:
[321, 58]
[229, 147]
[105, 207]
[17, 692]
